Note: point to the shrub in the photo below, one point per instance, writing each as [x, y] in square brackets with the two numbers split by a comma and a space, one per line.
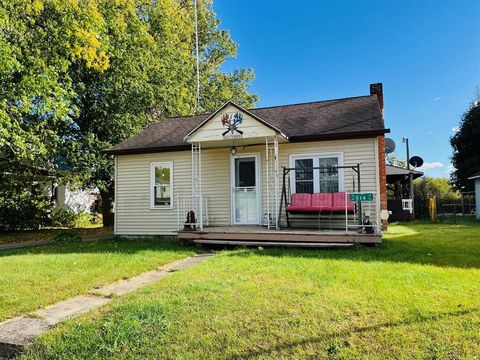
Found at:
[62, 217]
[87, 219]
[67, 236]
[23, 204]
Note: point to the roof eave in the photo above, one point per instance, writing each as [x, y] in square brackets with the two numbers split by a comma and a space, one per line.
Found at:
[148, 150]
[339, 136]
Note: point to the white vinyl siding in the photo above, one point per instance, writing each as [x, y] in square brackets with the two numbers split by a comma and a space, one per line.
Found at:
[134, 215]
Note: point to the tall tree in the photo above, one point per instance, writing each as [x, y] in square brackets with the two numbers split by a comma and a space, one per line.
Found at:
[151, 74]
[466, 147]
[38, 42]
[78, 77]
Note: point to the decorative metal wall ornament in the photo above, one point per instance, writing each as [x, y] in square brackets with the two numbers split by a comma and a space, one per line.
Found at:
[231, 122]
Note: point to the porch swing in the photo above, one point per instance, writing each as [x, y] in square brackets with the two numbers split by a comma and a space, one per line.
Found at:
[323, 204]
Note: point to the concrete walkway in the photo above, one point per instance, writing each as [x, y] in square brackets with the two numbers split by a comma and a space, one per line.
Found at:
[30, 244]
[19, 332]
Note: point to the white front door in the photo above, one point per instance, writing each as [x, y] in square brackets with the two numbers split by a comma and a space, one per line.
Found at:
[245, 189]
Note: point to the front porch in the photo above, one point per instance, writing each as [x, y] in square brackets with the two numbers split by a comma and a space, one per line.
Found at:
[251, 187]
[261, 236]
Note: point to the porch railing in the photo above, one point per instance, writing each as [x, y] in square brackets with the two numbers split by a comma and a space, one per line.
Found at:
[196, 203]
[367, 215]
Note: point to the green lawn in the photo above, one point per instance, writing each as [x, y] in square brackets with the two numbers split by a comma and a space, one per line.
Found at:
[416, 296]
[33, 278]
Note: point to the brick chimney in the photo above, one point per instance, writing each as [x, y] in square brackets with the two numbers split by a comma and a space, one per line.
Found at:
[377, 89]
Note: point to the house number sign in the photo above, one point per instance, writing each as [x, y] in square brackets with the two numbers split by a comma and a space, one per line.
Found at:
[356, 197]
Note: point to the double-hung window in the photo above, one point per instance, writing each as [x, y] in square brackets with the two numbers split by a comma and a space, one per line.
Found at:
[318, 173]
[304, 182]
[162, 185]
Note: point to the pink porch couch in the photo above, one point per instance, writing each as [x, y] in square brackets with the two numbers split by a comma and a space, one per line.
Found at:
[320, 203]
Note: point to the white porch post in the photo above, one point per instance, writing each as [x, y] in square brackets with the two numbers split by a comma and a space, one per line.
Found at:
[267, 172]
[275, 144]
[197, 199]
[272, 181]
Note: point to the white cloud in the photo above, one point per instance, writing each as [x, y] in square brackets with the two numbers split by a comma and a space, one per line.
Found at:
[455, 129]
[432, 165]
[437, 98]
[450, 168]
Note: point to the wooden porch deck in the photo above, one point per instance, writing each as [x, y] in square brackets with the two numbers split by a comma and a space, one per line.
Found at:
[260, 236]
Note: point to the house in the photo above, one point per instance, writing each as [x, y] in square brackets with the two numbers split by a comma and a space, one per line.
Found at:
[263, 174]
[476, 179]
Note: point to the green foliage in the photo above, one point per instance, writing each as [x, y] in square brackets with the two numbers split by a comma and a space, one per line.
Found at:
[466, 149]
[63, 218]
[427, 187]
[23, 203]
[393, 160]
[67, 236]
[87, 220]
[78, 77]
[441, 188]
[39, 41]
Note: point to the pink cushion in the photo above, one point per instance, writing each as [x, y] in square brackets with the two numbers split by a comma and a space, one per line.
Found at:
[300, 202]
[300, 208]
[339, 203]
[322, 200]
[301, 199]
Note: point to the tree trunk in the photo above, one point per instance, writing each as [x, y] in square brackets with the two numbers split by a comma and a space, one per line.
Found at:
[107, 207]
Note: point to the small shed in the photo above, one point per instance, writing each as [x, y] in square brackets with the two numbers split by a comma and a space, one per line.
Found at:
[476, 179]
[398, 192]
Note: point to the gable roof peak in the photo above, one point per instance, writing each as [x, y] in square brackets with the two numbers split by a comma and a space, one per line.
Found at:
[240, 108]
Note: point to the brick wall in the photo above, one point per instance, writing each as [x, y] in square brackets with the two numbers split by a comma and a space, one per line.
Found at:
[383, 176]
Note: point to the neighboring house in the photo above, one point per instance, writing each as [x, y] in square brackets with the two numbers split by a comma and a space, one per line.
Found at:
[63, 196]
[76, 200]
[476, 179]
[239, 166]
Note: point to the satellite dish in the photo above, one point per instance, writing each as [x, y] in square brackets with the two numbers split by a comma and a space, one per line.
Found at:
[416, 161]
[389, 146]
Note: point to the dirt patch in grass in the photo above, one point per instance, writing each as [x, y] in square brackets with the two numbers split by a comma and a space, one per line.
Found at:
[23, 236]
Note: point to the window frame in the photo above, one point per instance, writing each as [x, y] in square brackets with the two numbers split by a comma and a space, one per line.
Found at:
[316, 173]
[153, 166]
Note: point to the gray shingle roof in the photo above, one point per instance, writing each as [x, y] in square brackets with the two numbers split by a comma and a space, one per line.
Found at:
[338, 118]
[397, 171]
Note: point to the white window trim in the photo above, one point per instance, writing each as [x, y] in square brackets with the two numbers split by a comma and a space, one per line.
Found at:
[152, 185]
[316, 179]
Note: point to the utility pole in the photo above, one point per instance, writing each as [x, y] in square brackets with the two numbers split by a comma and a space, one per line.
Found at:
[197, 61]
[410, 174]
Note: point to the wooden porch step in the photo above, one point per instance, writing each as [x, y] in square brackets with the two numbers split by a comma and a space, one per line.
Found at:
[273, 243]
[258, 235]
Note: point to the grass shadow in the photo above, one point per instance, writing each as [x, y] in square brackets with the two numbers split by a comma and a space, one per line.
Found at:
[112, 246]
[346, 333]
[424, 244]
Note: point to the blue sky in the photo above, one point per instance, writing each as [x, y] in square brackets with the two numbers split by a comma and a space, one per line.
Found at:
[426, 53]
